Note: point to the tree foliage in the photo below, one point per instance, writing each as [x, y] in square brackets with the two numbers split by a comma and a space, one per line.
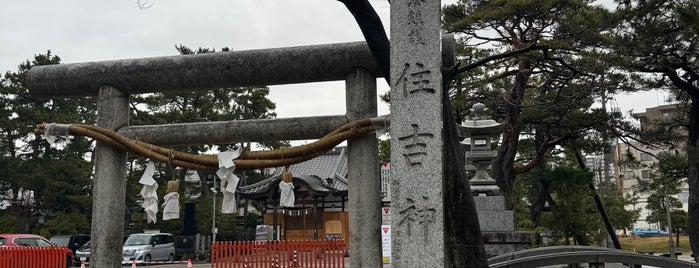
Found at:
[570, 211]
[663, 184]
[657, 39]
[544, 95]
[38, 178]
[542, 66]
[63, 224]
[574, 215]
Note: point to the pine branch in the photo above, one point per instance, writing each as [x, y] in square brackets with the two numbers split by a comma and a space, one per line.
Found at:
[508, 54]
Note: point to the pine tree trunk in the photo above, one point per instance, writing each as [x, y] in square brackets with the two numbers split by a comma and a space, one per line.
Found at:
[503, 165]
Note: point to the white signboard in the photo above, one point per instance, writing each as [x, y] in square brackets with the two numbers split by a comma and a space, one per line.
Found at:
[386, 243]
[386, 181]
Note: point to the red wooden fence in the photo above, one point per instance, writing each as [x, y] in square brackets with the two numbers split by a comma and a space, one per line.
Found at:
[33, 257]
[278, 254]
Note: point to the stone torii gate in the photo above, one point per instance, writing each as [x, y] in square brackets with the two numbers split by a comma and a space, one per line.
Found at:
[113, 81]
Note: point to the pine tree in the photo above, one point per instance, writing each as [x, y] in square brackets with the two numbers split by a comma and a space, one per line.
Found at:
[40, 179]
[657, 40]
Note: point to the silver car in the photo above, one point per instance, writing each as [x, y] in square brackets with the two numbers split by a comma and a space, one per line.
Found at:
[82, 254]
[145, 248]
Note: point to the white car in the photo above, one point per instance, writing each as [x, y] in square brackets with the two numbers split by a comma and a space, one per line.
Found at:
[145, 248]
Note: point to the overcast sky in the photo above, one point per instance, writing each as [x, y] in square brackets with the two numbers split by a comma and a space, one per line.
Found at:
[96, 30]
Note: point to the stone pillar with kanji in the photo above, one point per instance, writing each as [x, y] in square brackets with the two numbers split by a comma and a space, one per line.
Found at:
[416, 135]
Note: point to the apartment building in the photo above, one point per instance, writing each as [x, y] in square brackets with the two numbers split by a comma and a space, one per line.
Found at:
[627, 175]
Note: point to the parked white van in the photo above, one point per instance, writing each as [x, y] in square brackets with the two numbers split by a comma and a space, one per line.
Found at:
[145, 248]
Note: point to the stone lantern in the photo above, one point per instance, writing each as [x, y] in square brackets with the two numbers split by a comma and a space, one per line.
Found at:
[482, 136]
[496, 221]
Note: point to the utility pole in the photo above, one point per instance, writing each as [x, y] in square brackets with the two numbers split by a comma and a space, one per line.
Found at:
[669, 224]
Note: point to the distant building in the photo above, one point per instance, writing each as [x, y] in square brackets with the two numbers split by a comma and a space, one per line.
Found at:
[627, 176]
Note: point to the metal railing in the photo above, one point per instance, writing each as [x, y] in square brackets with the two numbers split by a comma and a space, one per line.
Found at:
[33, 257]
[264, 254]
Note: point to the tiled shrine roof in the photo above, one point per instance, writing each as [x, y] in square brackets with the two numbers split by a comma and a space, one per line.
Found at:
[319, 177]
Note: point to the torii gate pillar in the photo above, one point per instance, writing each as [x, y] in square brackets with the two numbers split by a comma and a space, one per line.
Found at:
[109, 181]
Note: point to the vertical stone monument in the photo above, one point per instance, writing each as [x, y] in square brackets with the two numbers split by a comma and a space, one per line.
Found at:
[416, 135]
[496, 221]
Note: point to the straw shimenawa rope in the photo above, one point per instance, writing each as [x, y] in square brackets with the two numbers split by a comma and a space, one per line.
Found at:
[247, 160]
